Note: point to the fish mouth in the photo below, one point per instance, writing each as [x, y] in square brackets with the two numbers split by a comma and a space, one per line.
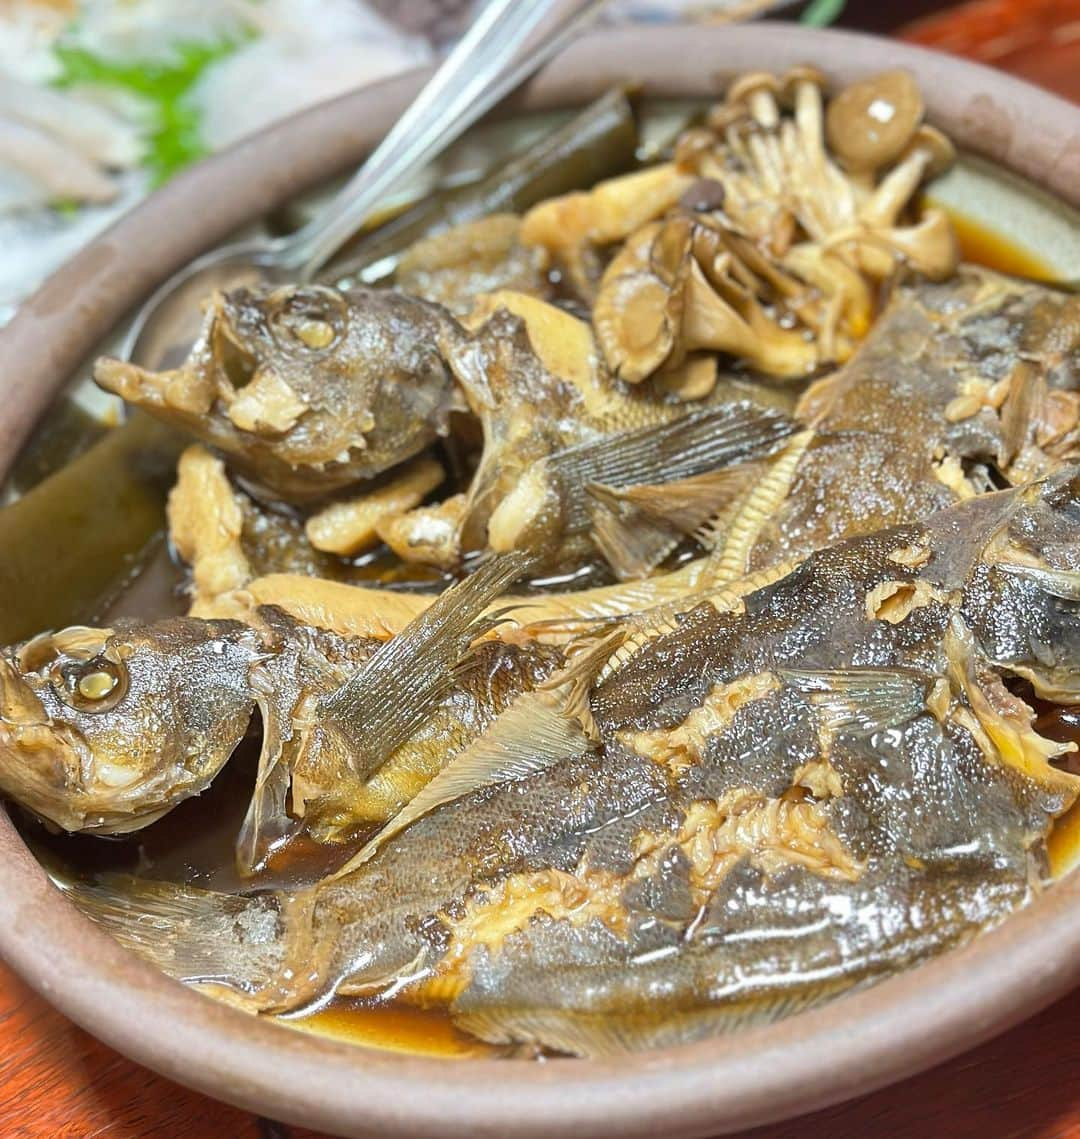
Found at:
[40, 770]
[220, 364]
[46, 766]
[233, 360]
[128, 381]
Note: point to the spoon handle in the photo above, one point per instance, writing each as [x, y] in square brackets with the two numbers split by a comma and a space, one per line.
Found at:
[493, 58]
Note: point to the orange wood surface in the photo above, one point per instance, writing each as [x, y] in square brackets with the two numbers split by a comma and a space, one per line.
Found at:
[58, 1081]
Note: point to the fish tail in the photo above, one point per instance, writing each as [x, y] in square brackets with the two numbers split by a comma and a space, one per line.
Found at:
[193, 935]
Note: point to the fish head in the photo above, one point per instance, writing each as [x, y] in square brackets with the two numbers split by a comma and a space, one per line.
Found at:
[1024, 600]
[107, 729]
[307, 388]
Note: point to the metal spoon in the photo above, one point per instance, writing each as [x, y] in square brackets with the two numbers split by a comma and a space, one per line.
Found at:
[499, 52]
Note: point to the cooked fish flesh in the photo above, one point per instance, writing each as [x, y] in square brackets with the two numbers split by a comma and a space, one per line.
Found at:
[774, 801]
[961, 386]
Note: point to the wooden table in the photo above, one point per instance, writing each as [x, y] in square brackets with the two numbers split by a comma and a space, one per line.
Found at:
[56, 1081]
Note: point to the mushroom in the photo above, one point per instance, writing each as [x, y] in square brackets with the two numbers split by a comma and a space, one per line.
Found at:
[774, 250]
[927, 155]
[638, 308]
[869, 124]
[929, 246]
[758, 90]
[573, 226]
[850, 300]
[673, 290]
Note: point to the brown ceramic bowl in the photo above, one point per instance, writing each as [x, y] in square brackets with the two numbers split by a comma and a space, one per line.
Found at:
[846, 1048]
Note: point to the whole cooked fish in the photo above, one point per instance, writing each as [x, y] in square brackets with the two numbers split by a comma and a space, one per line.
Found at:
[106, 730]
[310, 390]
[961, 387]
[782, 797]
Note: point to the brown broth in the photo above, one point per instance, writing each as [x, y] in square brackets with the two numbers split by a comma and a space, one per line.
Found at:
[395, 1027]
[995, 251]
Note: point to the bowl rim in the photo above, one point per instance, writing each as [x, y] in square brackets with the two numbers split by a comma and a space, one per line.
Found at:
[851, 1046]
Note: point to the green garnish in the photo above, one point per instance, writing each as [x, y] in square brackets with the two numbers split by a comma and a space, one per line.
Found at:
[174, 137]
[819, 13]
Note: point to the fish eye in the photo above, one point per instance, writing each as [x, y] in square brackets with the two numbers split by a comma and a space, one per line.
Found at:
[91, 686]
[308, 320]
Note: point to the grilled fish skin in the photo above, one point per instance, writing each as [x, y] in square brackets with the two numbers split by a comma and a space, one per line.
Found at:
[792, 794]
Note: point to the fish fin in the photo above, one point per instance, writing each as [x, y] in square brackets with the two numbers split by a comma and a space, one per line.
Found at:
[396, 689]
[688, 503]
[602, 1034]
[864, 700]
[691, 445]
[267, 820]
[190, 934]
[632, 543]
[533, 733]
[731, 536]
[587, 659]
[1058, 583]
[636, 527]
[662, 453]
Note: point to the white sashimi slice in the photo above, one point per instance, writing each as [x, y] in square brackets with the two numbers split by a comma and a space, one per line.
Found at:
[94, 132]
[308, 51]
[62, 172]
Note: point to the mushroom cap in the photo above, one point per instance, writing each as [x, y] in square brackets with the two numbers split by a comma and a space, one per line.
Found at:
[870, 124]
[690, 146]
[743, 86]
[941, 150]
[794, 76]
[704, 196]
[638, 310]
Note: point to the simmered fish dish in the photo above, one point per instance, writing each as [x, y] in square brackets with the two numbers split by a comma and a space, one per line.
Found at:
[649, 612]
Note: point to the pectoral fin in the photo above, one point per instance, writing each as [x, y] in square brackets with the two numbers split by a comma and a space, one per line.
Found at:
[394, 691]
[636, 527]
[631, 543]
[863, 700]
[532, 734]
[267, 821]
[664, 453]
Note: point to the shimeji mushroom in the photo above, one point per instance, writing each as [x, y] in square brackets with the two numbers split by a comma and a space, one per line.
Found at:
[869, 124]
[806, 230]
[929, 245]
[776, 170]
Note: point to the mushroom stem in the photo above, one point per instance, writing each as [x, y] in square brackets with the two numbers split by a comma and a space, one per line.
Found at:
[929, 246]
[764, 109]
[711, 322]
[895, 189]
[810, 118]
